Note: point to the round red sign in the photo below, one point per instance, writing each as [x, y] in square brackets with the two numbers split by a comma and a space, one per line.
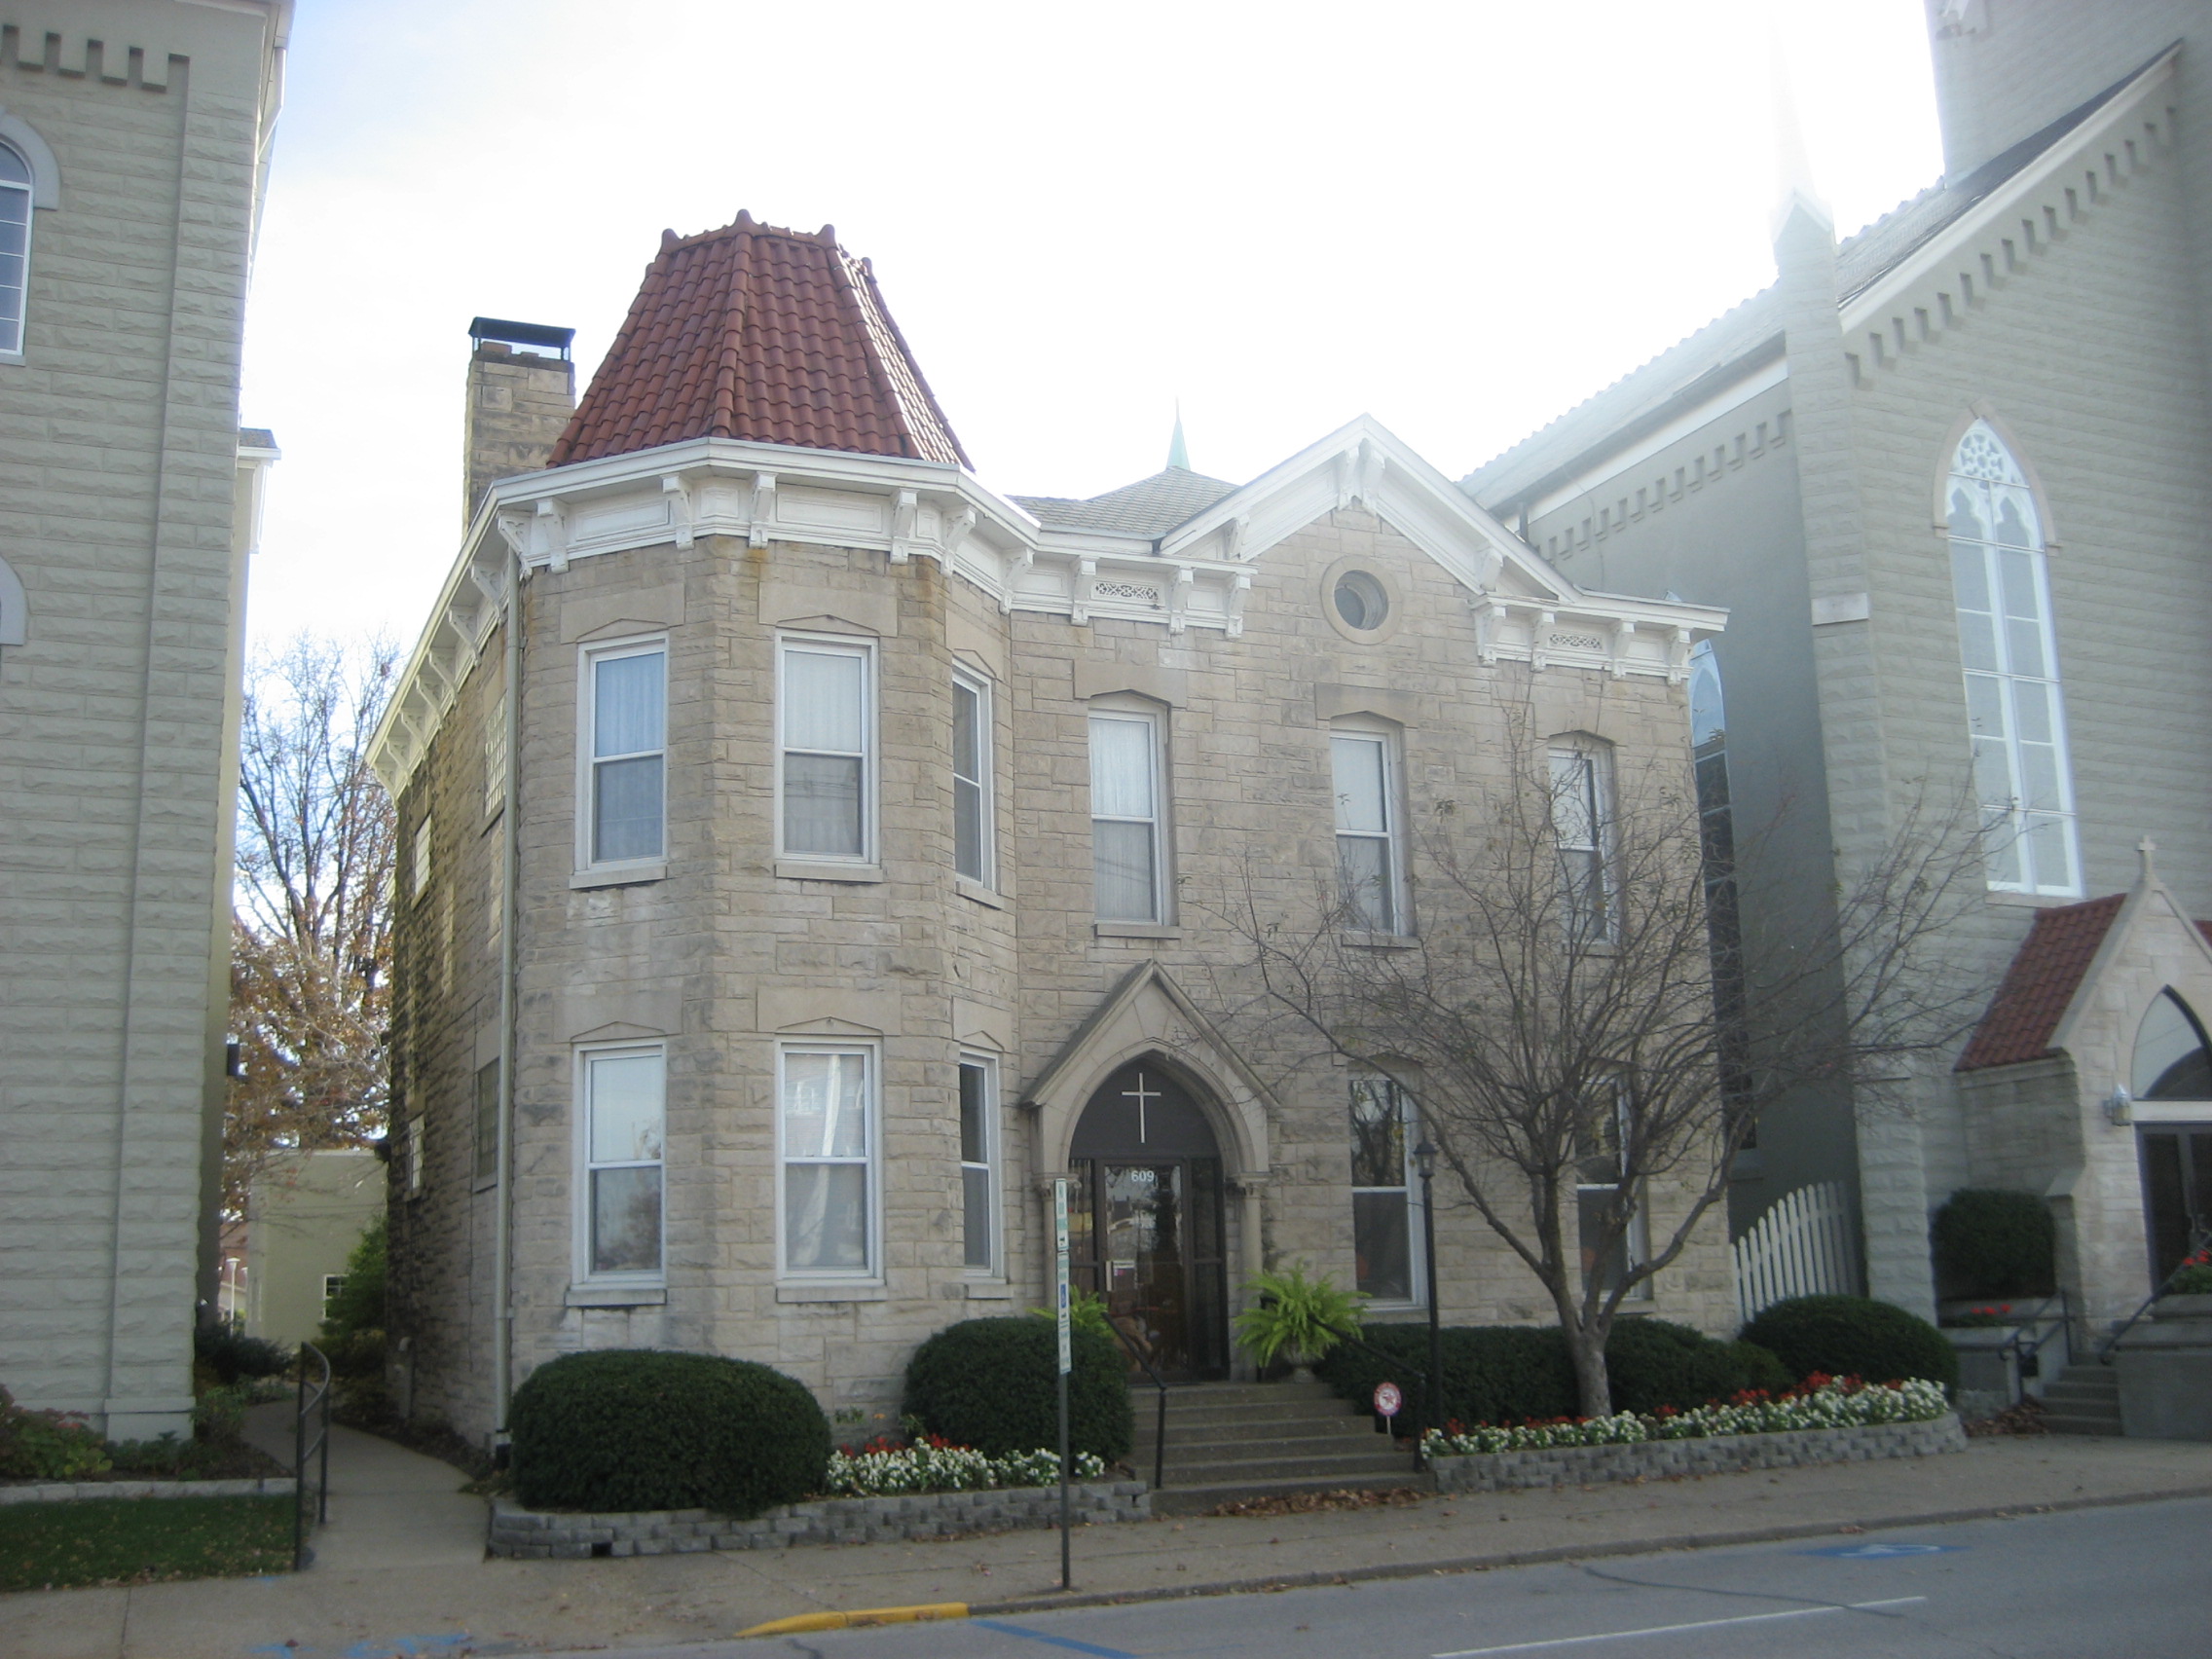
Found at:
[1388, 1399]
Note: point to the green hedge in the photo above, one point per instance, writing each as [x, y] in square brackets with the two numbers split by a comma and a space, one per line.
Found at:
[1990, 1242]
[636, 1428]
[1854, 1336]
[993, 1384]
[1503, 1373]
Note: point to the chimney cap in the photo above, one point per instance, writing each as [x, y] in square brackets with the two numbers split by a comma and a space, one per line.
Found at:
[483, 328]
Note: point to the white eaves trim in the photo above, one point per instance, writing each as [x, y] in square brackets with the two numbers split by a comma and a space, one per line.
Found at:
[1195, 578]
[2048, 177]
[1730, 398]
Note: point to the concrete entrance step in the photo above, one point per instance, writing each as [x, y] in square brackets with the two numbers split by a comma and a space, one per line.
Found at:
[1233, 1440]
[2083, 1399]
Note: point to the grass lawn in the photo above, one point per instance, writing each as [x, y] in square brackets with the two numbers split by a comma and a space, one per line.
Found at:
[139, 1541]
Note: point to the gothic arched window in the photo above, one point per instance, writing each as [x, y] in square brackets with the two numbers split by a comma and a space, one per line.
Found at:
[2171, 1059]
[2010, 657]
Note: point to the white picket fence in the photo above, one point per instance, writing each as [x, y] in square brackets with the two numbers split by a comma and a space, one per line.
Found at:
[1800, 1247]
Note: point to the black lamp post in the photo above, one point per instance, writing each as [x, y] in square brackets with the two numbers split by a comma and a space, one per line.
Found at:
[1432, 1396]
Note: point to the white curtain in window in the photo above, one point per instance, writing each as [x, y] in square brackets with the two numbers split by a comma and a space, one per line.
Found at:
[823, 707]
[1125, 841]
[826, 1162]
[624, 1095]
[628, 726]
[825, 722]
[2008, 652]
[1361, 777]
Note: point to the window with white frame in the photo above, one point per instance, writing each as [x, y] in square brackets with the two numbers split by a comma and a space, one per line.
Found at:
[978, 1164]
[1370, 856]
[419, 860]
[2014, 710]
[416, 1152]
[14, 245]
[332, 1285]
[825, 1122]
[1384, 1196]
[495, 755]
[625, 1109]
[1601, 1192]
[1125, 819]
[626, 720]
[1581, 805]
[826, 706]
[972, 778]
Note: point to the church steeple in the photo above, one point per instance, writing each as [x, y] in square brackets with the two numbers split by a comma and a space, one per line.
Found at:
[1178, 454]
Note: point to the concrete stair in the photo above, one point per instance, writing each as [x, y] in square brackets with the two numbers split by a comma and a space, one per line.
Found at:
[2083, 1399]
[1238, 1440]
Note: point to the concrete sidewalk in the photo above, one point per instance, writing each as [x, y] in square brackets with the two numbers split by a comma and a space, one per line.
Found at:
[383, 1600]
[390, 1508]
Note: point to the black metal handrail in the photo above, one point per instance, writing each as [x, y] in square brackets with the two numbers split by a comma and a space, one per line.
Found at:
[2025, 1354]
[1434, 1401]
[309, 1403]
[2199, 1238]
[1160, 1421]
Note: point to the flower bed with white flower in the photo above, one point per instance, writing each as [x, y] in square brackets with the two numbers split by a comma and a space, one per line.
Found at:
[1822, 1402]
[883, 1469]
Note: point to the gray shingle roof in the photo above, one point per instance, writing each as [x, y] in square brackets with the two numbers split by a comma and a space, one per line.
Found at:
[1151, 506]
[1731, 344]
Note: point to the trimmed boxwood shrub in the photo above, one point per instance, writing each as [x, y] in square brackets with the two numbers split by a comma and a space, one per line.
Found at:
[638, 1428]
[994, 1385]
[1854, 1336]
[1503, 1373]
[1990, 1242]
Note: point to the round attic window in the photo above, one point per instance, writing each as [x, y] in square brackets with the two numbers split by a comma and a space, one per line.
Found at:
[1360, 601]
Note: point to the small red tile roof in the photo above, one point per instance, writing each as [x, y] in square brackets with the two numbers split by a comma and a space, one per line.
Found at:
[769, 335]
[2040, 986]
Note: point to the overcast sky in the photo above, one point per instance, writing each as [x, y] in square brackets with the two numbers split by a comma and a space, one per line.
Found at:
[1460, 218]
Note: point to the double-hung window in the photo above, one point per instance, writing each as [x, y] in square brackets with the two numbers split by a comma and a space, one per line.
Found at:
[827, 1129]
[979, 1165]
[487, 1104]
[624, 1107]
[2015, 711]
[972, 779]
[626, 752]
[1581, 804]
[1125, 815]
[15, 246]
[826, 718]
[1369, 857]
[1382, 1193]
[1601, 1189]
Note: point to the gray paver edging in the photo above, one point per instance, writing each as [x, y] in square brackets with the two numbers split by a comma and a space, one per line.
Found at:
[540, 1534]
[64, 1492]
[1715, 1455]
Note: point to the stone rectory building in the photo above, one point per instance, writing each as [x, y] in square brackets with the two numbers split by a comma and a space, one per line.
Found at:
[134, 146]
[806, 853]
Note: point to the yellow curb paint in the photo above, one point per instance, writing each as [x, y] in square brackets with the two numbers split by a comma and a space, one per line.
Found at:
[799, 1622]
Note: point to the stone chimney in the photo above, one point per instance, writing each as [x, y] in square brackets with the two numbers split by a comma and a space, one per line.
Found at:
[522, 389]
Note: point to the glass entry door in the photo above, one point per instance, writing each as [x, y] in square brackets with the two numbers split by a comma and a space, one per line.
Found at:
[1147, 1237]
[2177, 1185]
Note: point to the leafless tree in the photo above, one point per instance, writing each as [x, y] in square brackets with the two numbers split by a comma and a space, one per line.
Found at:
[1554, 1021]
[310, 924]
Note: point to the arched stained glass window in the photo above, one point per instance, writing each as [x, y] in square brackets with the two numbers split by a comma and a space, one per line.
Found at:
[14, 245]
[2171, 1059]
[2010, 657]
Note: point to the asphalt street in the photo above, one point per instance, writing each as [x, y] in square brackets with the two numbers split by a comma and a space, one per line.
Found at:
[2115, 1584]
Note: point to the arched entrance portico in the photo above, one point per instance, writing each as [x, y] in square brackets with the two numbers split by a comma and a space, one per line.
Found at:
[1146, 1223]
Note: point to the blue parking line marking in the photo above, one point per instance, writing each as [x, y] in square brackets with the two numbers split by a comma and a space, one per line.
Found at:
[1068, 1643]
[1881, 1551]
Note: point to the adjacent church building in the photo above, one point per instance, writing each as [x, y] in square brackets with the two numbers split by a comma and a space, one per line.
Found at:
[1951, 478]
[807, 854]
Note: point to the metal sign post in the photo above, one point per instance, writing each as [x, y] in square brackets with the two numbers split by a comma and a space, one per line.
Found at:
[1061, 1270]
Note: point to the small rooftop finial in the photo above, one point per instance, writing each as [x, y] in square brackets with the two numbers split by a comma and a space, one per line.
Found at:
[1178, 453]
[2144, 849]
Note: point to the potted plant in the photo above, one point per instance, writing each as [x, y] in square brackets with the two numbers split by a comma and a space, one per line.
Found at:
[1296, 1319]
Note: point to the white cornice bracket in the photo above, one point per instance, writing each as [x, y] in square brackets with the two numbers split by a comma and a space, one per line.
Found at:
[553, 525]
[956, 530]
[678, 490]
[764, 509]
[902, 515]
[1239, 585]
[1085, 577]
[1372, 465]
[1179, 598]
[1624, 632]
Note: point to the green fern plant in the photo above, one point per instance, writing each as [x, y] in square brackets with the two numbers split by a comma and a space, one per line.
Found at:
[1297, 1317]
[1086, 1312]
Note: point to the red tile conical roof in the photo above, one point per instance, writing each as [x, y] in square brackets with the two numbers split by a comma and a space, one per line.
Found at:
[753, 332]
